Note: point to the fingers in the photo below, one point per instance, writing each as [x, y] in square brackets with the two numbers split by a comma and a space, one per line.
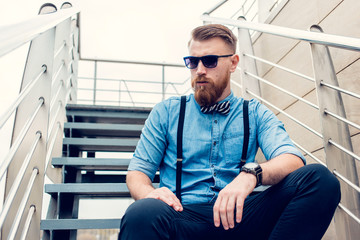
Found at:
[224, 208]
[216, 212]
[230, 212]
[224, 213]
[164, 194]
[239, 210]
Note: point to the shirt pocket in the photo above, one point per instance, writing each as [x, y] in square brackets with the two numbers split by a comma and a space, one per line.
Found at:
[233, 143]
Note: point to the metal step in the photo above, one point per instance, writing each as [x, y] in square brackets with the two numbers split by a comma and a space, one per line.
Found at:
[106, 114]
[72, 224]
[89, 189]
[102, 144]
[102, 129]
[92, 163]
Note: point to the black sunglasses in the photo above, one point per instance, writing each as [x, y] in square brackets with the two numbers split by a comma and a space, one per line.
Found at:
[209, 61]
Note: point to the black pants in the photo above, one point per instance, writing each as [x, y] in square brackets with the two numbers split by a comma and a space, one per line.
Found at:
[301, 206]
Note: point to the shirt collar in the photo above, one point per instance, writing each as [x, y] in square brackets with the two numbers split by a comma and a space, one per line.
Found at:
[229, 98]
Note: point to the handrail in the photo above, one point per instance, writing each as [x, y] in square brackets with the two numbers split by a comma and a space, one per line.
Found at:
[31, 212]
[286, 114]
[51, 146]
[57, 52]
[109, 101]
[309, 153]
[281, 67]
[252, 4]
[21, 97]
[346, 181]
[340, 90]
[349, 213]
[236, 83]
[19, 139]
[53, 120]
[16, 35]
[283, 90]
[121, 91]
[312, 37]
[22, 204]
[167, 64]
[53, 100]
[131, 81]
[344, 150]
[58, 70]
[18, 180]
[342, 119]
[212, 9]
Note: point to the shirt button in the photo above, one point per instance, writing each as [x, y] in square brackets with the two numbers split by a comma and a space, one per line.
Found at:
[215, 121]
[214, 174]
[214, 143]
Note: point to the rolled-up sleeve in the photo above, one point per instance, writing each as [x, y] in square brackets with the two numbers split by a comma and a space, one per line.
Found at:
[272, 136]
[152, 144]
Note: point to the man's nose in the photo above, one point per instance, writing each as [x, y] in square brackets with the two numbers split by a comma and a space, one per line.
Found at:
[201, 69]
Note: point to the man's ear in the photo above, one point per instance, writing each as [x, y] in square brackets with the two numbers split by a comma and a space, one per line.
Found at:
[234, 62]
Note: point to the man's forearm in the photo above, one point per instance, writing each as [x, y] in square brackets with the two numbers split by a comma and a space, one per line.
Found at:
[279, 167]
[139, 184]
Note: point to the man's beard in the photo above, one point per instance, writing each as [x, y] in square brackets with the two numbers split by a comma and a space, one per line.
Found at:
[208, 95]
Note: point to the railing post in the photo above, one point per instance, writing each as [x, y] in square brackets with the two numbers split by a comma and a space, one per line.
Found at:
[163, 82]
[337, 131]
[66, 50]
[247, 64]
[95, 77]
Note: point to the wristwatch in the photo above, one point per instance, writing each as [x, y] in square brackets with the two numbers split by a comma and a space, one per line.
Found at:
[255, 169]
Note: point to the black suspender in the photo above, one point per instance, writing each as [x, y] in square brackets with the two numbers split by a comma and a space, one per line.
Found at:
[179, 147]
[180, 140]
[246, 132]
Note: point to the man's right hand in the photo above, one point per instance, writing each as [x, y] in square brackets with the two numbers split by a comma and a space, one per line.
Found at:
[164, 194]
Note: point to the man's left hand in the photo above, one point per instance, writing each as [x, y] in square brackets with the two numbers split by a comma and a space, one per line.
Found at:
[233, 197]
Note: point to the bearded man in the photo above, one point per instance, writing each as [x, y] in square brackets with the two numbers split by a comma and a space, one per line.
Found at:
[207, 191]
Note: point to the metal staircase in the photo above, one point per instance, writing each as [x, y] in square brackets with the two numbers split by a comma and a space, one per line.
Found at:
[90, 130]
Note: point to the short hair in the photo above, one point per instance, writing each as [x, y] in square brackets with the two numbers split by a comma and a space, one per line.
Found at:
[209, 31]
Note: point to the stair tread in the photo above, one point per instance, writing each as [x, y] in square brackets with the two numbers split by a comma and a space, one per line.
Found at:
[99, 189]
[105, 126]
[95, 189]
[103, 144]
[104, 129]
[92, 163]
[72, 224]
[90, 113]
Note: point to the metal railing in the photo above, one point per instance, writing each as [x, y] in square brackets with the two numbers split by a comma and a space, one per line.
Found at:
[47, 85]
[335, 133]
[51, 81]
[143, 91]
[253, 10]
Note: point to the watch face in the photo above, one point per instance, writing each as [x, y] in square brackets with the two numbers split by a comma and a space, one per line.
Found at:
[251, 165]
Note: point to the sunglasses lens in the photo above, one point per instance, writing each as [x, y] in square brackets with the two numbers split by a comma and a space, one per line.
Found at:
[191, 62]
[209, 61]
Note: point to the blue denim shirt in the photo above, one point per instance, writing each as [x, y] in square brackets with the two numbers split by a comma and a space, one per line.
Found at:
[212, 145]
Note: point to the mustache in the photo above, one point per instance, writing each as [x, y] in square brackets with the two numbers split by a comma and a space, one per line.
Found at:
[199, 79]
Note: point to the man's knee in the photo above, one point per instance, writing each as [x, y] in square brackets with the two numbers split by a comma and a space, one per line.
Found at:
[321, 182]
[144, 211]
[146, 218]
